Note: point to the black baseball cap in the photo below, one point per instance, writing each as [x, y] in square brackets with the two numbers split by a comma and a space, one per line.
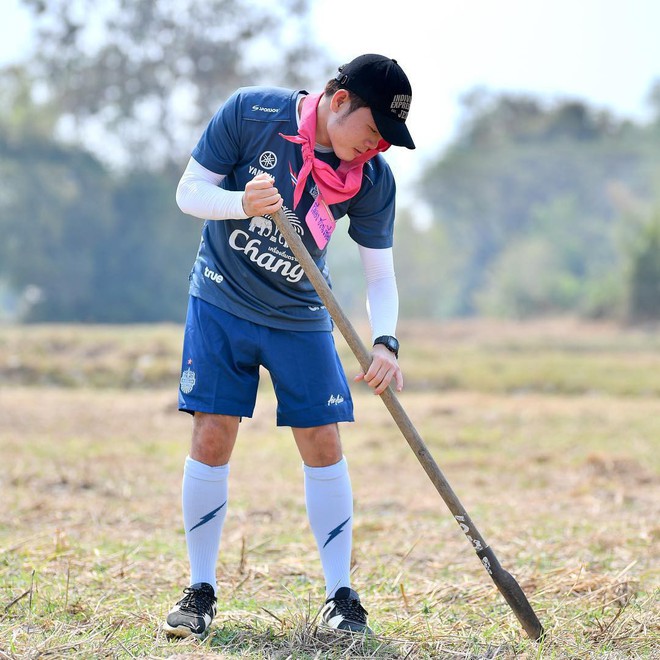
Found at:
[381, 83]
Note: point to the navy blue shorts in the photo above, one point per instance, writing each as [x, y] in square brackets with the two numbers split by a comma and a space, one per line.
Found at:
[220, 369]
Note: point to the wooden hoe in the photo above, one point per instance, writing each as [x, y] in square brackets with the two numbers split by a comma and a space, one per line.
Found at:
[504, 581]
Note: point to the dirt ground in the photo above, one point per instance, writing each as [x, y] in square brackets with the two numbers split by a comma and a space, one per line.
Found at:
[562, 479]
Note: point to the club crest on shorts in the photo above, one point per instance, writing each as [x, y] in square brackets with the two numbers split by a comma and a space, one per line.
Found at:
[187, 382]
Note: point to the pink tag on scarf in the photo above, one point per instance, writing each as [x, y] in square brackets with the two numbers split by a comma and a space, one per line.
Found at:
[320, 222]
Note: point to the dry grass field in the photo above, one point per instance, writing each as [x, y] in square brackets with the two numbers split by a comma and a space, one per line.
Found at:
[549, 433]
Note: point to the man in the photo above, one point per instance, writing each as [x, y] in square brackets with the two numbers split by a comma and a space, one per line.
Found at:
[317, 157]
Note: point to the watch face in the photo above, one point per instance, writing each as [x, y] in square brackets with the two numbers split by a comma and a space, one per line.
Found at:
[391, 343]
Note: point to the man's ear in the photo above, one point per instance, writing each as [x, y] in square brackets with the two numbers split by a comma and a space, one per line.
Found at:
[339, 98]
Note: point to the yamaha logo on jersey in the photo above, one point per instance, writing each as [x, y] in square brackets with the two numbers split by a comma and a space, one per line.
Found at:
[268, 160]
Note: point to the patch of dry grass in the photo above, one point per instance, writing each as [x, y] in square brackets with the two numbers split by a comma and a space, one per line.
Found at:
[566, 489]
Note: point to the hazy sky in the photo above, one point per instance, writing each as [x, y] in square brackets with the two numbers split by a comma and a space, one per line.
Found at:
[606, 52]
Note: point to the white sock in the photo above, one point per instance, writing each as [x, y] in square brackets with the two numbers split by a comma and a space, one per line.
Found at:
[329, 500]
[204, 500]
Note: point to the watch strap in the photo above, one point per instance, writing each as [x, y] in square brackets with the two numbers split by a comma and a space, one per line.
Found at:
[390, 343]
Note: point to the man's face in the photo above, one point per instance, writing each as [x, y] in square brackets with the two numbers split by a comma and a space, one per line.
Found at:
[351, 133]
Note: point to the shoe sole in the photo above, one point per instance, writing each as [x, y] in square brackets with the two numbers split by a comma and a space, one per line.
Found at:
[365, 631]
[182, 632]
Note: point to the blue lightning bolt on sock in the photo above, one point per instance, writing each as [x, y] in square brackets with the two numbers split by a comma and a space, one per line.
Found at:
[329, 500]
[204, 499]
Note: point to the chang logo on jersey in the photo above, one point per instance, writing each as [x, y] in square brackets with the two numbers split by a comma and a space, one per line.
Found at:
[212, 275]
[260, 108]
[241, 241]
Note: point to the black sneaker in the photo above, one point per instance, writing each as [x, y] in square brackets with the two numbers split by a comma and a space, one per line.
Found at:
[193, 614]
[344, 612]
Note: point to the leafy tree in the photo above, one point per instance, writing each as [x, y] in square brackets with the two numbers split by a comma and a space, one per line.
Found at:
[644, 277]
[145, 268]
[128, 84]
[425, 263]
[560, 263]
[526, 175]
[82, 243]
[654, 101]
[52, 223]
[491, 120]
[421, 260]
[151, 74]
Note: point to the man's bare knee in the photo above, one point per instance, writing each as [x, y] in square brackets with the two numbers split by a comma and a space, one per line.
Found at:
[213, 438]
[319, 446]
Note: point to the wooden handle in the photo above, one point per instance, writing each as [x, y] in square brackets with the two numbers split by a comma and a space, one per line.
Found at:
[506, 584]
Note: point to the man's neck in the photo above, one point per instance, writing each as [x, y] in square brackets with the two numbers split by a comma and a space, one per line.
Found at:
[322, 113]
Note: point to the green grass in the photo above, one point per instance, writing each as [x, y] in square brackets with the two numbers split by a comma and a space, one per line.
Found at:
[563, 482]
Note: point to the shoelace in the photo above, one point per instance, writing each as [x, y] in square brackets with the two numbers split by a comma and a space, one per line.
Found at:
[351, 608]
[197, 601]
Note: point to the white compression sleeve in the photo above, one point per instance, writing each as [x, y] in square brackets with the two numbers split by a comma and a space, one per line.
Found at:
[382, 292]
[199, 194]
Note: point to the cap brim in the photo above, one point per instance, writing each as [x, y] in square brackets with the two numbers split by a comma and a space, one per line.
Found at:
[393, 131]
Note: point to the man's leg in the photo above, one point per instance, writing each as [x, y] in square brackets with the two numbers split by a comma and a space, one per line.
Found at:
[329, 500]
[204, 492]
[312, 397]
[204, 500]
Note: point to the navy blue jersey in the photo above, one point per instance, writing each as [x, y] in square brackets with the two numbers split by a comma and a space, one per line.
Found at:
[245, 266]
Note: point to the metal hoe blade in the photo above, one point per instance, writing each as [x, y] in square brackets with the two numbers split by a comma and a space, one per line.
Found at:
[505, 582]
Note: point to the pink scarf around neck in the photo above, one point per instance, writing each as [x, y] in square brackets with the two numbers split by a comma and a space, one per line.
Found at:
[334, 185]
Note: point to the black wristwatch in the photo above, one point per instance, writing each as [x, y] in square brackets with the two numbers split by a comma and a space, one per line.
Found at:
[390, 343]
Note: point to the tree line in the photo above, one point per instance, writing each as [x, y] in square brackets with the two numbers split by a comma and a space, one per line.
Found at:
[549, 207]
[539, 207]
